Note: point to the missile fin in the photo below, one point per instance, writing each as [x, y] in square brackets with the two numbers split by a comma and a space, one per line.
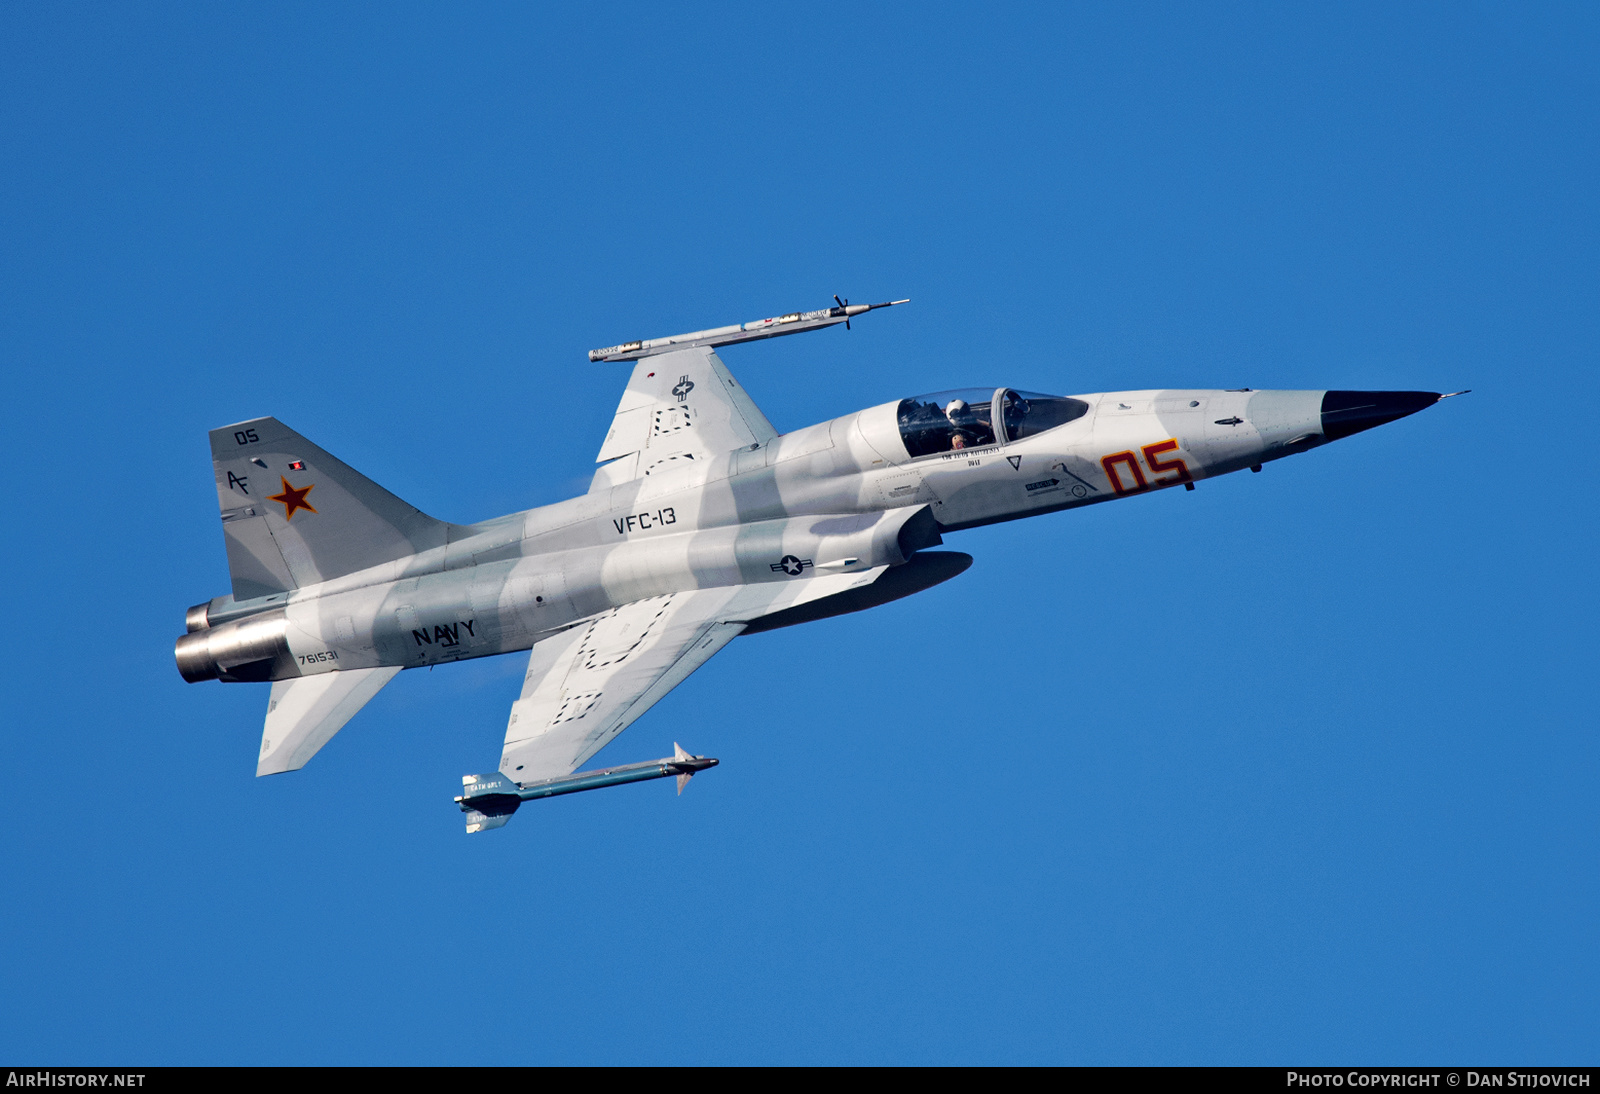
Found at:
[482, 822]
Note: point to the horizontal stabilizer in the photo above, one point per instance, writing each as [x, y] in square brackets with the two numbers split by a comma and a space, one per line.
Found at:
[304, 713]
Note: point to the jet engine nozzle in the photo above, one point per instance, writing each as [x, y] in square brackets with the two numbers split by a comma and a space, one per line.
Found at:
[249, 650]
[197, 618]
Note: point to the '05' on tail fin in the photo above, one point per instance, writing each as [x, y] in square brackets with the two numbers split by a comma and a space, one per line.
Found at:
[293, 515]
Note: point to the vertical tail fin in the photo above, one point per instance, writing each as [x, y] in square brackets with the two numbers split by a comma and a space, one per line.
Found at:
[293, 515]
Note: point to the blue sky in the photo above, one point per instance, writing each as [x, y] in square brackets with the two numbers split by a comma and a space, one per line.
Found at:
[1300, 767]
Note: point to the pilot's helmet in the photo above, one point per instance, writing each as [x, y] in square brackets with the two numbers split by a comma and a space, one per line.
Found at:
[956, 409]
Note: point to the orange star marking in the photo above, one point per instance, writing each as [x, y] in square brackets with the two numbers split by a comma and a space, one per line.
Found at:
[293, 498]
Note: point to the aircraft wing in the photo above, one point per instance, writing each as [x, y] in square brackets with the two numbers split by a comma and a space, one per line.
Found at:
[678, 406]
[590, 682]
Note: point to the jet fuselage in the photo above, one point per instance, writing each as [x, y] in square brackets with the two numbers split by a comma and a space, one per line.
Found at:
[856, 493]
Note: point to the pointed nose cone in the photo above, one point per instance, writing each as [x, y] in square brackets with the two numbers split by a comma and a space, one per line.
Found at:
[1347, 412]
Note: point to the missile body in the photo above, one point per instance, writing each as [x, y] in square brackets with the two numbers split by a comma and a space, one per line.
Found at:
[778, 325]
[489, 800]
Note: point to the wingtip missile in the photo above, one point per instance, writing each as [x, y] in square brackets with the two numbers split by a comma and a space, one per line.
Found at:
[488, 800]
[774, 327]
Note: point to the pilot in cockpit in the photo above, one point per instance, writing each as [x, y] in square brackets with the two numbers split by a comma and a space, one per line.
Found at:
[962, 420]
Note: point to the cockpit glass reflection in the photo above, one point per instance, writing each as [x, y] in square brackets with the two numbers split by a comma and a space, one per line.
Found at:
[948, 421]
[1027, 413]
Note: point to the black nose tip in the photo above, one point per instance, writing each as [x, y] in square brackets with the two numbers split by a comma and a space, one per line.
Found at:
[1347, 412]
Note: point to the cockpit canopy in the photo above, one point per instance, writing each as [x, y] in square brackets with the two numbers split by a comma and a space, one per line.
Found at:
[950, 421]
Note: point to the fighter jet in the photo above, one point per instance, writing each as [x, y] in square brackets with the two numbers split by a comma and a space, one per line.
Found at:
[702, 523]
